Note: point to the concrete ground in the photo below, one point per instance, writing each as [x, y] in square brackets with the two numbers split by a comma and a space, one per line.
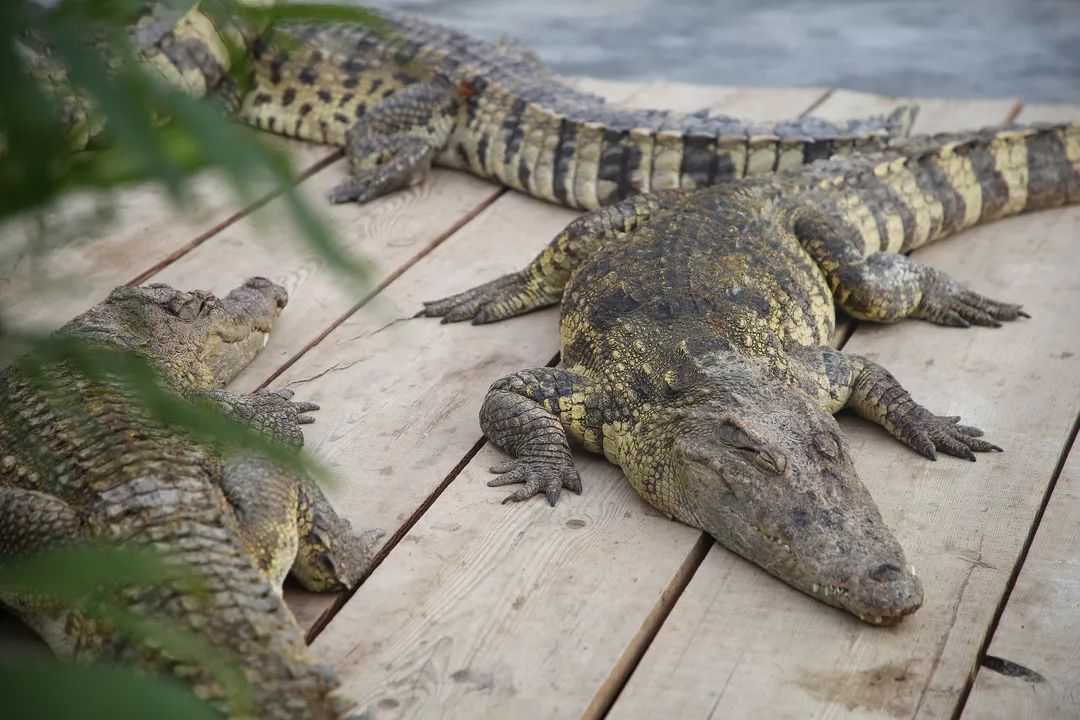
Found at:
[946, 48]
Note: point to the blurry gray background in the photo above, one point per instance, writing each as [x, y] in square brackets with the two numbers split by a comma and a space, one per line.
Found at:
[945, 48]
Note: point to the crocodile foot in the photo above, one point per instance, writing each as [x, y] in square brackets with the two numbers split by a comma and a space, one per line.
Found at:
[295, 410]
[504, 297]
[537, 475]
[364, 187]
[947, 302]
[926, 433]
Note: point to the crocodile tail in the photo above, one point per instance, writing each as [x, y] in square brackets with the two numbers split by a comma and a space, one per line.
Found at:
[623, 153]
[963, 180]
[929, 187]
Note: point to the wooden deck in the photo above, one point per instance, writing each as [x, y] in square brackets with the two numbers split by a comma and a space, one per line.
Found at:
[600, 606]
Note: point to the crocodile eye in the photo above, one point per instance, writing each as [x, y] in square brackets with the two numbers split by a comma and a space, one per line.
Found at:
[184, 306]
[827, 444]
[772, 461]
[732, 434]
[326, 561]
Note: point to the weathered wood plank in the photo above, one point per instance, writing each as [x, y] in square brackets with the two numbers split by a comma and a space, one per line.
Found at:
[1040, 626]
[479, 609]
[387, 234]
[725, 99]
[146, 228]
[739, 643]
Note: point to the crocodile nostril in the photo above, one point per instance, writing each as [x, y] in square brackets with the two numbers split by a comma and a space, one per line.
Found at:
[886, 572]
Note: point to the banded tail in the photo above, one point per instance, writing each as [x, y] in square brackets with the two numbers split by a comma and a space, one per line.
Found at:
[926, 188]
[591, 156]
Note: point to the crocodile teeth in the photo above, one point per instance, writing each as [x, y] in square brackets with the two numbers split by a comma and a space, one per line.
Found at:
[266, 339]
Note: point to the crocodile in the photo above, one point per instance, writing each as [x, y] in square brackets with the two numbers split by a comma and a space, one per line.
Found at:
[83, 462]
[405, 93]
[695, 335]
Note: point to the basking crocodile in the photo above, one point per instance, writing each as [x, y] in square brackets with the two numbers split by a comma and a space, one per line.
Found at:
[694, 336]
[413, 93]
[83, 462]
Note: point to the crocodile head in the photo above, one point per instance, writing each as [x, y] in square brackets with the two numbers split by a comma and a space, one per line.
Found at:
[198, 339]
[767, 473]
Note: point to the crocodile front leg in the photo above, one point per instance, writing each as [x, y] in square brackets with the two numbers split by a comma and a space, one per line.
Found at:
[331, 557]
[273, 413]
[530, 415]
[542, 281]
[394, 145]
[856, 382]
[289, 525]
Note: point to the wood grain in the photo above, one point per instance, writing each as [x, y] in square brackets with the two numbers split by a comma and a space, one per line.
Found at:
[87, 256]
[1040, 628]
[387, 234]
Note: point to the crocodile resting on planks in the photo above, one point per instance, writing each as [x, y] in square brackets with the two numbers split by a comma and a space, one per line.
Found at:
[695, 329]
[83, 461]
[411, 93]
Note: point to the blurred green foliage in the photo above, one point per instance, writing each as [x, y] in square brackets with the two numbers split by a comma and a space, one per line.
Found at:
[142, 131]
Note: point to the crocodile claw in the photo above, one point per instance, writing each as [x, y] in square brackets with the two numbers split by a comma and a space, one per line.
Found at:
[946, 302]
[504, 297]
[927, 433]
[536, 477]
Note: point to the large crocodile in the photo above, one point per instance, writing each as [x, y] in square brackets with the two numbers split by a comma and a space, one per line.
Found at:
[695, 330]
[410, 93]
[81, 461]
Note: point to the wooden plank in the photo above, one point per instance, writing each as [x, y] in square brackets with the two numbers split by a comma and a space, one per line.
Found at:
[44, 292]
[739, 643]
[1040, 626]
[387, 234]
[480, 609]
